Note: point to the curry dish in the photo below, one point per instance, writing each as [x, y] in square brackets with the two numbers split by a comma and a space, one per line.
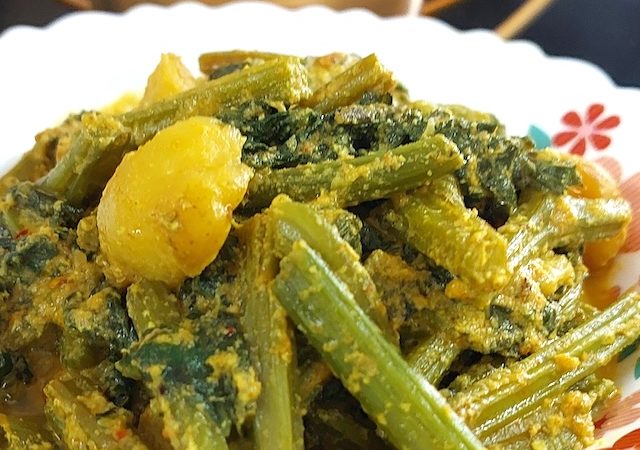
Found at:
[290, 253]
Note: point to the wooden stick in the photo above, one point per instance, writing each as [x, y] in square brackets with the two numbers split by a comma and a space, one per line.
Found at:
[521, 18]
[432, 7]
[79, 4]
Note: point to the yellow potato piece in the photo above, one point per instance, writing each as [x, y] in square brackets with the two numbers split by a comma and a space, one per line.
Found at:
[167, 210]
[170, 77]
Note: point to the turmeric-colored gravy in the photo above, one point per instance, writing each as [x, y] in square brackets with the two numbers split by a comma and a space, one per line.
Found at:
[599, 290]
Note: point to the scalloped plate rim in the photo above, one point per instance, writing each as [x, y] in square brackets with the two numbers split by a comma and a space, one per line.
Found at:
[144, 7]
[600, 89]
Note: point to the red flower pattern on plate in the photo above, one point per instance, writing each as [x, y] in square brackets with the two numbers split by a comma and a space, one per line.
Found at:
[622, 412]
[587, 130]
[630, 190]
[627, 410]
[630, 441]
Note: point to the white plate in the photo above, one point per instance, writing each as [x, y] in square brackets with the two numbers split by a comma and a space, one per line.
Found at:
[86, 60]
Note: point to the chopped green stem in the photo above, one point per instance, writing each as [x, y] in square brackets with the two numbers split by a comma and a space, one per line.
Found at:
[278, 421]
[185, 424]
[99, 145]
[367, 75]
[433, 357]
[595, 219]
[297, 221]
[553, 221]
[436, 222]
[211, 61]
[151, 305]
[603, 389]
[569, 302]
[351, 181]
[22, 433]
[410, 412]
[79, 428]
[95, 151]
[571, 411]
[512, 392]
[281, 79]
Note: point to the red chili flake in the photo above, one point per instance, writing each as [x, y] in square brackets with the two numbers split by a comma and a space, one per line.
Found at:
[22, 233]
[230, 331]
[121, 434]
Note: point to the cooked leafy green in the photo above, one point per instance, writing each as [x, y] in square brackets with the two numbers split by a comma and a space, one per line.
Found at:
[498, 167]
[206, 360]
[280, 137]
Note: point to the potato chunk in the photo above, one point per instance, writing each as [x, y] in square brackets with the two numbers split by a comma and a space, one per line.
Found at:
[167, 210]
[170, 77]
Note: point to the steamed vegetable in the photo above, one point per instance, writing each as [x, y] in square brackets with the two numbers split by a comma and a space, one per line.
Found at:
[98, 145]
[291, 254]
[410, 412]
[170, 77]
[172, 222]
[346, 183]
[278, 421]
